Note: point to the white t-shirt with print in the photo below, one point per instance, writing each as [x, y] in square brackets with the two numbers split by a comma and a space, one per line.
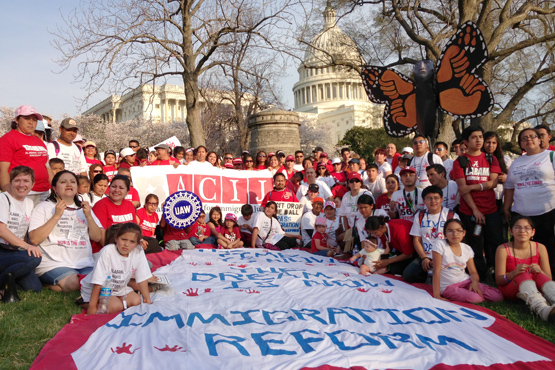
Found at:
[431, 228]
[403, 210]
[331, 228]
[448, 164]
[451, 196]
[307, 223]
[323, 191]
[383, 168]
[533, 179]
[15, 214]
[68, 245]
[377, 187]
[121, 269]
[452, 267]
[267, 227]
[74, 159]
[420, 164]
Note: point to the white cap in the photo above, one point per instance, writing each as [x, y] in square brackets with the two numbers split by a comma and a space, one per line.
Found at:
[125, 152]
[407, 149]
[335, 160]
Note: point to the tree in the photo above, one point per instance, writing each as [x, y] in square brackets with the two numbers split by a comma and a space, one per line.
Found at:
[364, 140]
[7, 115]
[520, 38]
[120, 44]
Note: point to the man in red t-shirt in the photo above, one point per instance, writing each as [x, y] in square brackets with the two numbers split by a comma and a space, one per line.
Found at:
[163, 153]
[280, 192]
[476, 175]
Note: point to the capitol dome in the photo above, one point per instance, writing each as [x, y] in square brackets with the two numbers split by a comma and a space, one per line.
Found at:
[328, 75]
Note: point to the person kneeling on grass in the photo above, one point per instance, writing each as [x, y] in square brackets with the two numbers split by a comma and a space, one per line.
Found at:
[370, 254]
[450, 258]
[121, 261]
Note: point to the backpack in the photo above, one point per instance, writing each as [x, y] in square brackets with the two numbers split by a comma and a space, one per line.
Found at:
[463, 161]
[57, 147]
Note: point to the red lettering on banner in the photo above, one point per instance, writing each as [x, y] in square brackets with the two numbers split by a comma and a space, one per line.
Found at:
[208, 188]
[235, 190]
[258, 187]
[179, 182]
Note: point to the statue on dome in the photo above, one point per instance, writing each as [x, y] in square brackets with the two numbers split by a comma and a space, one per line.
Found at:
[454, 88]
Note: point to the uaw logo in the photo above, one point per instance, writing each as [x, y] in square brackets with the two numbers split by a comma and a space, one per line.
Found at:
[182, 209]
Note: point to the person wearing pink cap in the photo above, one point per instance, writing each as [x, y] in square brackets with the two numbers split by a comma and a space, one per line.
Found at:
[91, 154]
[308, 221]
[406, 202]
[319, 244]
[237, 163]
[20, 148]
[334, 228]
[288, 169]
[229, 236]
[65, 149]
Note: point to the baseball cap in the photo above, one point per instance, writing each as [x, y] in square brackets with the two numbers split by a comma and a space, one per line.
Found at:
[228, 165]
[314, 187]
[318, 149]
[40, 126]
[407, 149]
[354, 160]
[190, 150]
[280, 153]
[109, 152]
[271, 154]
[336, 161]
[320, 164]
[125, 152]
[289, 158]
[69, 123]
[237, 161]
[407, 156]
[318, 199]
[354, 175]
[329, 203]
[320, 221]
[407, 169]
[245, 152]
[324, 155]
[89, 143]
[231, 216]
[27, 110]
[163, 146]
[78, 138]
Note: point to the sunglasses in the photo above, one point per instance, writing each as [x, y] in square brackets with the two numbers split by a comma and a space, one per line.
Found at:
[249, 161]
[262, 156]
[228, 158]
[133, 146]
[99, 171]
[354, 180]
[152, 204]
[419, 141]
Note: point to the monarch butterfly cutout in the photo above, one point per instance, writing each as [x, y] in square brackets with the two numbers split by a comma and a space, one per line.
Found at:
[460, 92]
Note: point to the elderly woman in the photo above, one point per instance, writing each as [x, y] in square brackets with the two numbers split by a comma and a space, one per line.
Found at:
[63, 227]
[20, 148]
[18, 259]
[114, 209]
[530, 189]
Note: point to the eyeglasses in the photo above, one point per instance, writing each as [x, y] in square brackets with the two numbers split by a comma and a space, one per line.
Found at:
[454, 231]
[354, 180]
[418, 142]
[133, 146]
[152, 204]
[523, 228]
[438, 149]
[249, 161]
[262, 156]
[529, 137]
[99, 171]
[228, 158]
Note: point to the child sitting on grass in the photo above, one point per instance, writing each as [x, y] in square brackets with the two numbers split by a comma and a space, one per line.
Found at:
[319, 243]
[230, 235]
[370, 253]
[121, 261]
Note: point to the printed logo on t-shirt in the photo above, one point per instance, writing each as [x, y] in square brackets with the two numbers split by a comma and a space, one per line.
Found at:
[122, 218]
[35, 150]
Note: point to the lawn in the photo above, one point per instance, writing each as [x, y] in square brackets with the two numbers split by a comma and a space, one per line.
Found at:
[29, 324]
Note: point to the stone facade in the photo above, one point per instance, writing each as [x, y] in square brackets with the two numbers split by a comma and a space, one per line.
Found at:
[274, 129]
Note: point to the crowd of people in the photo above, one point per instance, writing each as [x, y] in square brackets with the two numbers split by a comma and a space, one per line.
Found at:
[462, 217]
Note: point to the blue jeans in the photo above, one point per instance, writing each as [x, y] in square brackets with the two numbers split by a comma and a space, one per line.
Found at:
[22, 266]
[210, 240]
[54, 276]
[414, 273]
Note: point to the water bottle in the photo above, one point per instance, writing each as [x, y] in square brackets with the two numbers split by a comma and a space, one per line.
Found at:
[477, 228]
[104, 298]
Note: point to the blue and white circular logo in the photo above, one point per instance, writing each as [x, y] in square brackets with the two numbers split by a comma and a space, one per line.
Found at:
[182, 209]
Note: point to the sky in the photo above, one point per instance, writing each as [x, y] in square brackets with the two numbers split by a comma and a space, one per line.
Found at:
[29, 74]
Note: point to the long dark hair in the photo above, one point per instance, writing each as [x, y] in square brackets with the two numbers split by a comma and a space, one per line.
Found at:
[53, 197]
[271, 202]
[498, 153]
[215, 209]
[373, 223]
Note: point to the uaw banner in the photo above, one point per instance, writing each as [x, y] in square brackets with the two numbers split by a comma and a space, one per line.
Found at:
[260, 309]
[229, 189]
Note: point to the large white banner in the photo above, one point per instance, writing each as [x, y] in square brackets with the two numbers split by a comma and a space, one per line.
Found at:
[229, 189]
[260, 309]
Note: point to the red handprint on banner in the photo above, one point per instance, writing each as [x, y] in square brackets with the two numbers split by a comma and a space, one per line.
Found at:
[362, 290]
[242, 266]
[125, 349]
[251, 291]
[386, 290]
[207, 290]
[191, 293]
[170, 349]
[193, 263]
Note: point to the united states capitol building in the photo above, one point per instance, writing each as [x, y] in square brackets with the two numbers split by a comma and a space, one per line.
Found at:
[329, 92]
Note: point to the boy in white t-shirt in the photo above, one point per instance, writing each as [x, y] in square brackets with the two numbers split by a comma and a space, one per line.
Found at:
[246, 223]
[121, 261]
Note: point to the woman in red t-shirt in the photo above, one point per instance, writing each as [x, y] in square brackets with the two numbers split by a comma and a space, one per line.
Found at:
[392, 185]
[261, 160]
[147, 218]
[111, 167]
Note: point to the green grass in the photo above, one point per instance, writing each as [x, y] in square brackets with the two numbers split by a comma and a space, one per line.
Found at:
[26, 326]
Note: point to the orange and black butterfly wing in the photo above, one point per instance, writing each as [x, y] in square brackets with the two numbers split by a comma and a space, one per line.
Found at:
[395, 90]
[461, 92]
